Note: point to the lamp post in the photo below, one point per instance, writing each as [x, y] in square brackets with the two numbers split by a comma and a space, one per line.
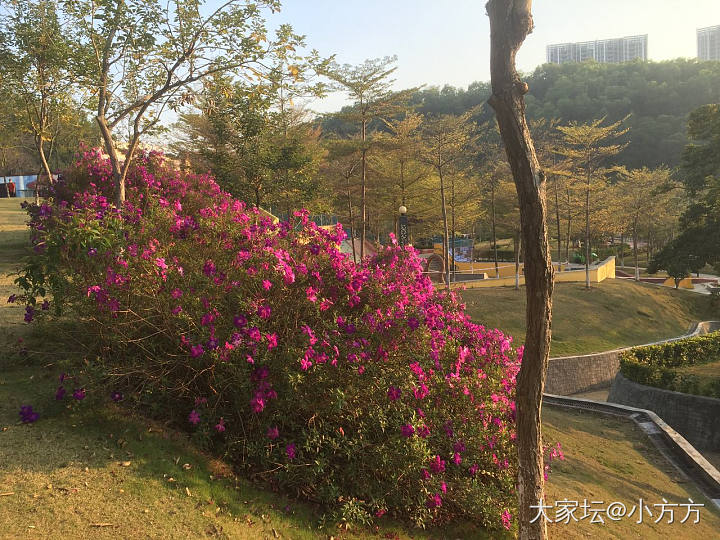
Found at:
[403, 230]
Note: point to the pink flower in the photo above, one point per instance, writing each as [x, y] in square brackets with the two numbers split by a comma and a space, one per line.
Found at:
[197, 350]
[266, 284]
[437, 465]
[220, 426]
[290, 451]
[177, 293]
[506, 519]
[264, 312]
[407, 430]
[423, 431]
[434, 502]
[160, 263]
[273, 433]
[194, 417]
[394, 393]
[272, 341]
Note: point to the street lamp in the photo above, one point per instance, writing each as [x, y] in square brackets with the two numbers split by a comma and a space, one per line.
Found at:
[403, 230]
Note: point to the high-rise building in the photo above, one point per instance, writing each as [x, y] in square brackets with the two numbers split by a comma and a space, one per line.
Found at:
[708, 43]
[605, 51]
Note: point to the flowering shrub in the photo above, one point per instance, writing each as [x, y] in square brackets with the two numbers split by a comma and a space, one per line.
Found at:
[358, 386]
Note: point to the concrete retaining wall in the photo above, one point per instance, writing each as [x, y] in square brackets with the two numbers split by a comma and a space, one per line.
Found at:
[574, 374]
[697, 418]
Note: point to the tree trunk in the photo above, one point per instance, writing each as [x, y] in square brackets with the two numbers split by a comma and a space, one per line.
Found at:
[494, 236]
[446, 243]
[568, 229]
[350, 213]
[557, 219]
[635, 251]
[587, 232]
[518, 247]
[452, 218]
[118, 179]
[622, 249]
[510, 22]
[363, 189]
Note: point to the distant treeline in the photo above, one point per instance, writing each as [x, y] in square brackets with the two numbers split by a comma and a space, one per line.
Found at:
[658, 96]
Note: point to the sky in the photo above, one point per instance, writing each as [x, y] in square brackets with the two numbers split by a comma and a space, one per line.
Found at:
[448, 42]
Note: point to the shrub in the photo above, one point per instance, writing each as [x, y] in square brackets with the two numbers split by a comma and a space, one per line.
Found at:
[657, 365]
[357, 386]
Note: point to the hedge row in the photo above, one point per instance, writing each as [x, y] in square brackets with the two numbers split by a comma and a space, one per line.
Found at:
[657, 365]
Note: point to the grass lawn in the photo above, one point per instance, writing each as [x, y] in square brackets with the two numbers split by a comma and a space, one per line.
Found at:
[609, 459]
[614, 313]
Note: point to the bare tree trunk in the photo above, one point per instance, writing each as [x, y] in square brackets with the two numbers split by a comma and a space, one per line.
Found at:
[446, 243]
[452, 217]
[363, 189]
[494, 236]
[114, 160]
[557, 219]
[510, 22]
[518, 246]
[635, 251]
[622, 248]
[350, 212]
[568, 230]
[587, 231]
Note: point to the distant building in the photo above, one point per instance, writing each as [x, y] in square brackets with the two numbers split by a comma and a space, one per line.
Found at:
[708, 43]
[605, 51]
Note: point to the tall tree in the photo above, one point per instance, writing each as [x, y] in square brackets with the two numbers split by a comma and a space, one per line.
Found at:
[369, 86]
[510, 23]
[35, 54]
[143, 57]
[589, 149]
[446, 140]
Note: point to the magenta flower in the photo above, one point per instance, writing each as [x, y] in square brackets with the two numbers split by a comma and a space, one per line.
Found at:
[29, 312]
[160, 263]
[197, 350]
[177, 293]
[79, 394]
[434, 502]
[423, 431]
[194, 417]
[506, 519]
[116, 396]
[457, 460]
[27, 415]
[176, 310]
[273, 433]
[272, 341]
[60, 393]
[437, 465]
[407, 430]
[266, 284]
[11, 299]
[254, 334]
[264, 312]
[240, 321]
[45, 305]
[394, 393]
[413, 323]
[220, 426]
[290, 451]
[473, 469]
[92, 252]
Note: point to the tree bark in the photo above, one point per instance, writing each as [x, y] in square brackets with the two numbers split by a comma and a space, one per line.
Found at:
[494, 236]
[350, 214]
[446, 242]
[510, 23]
[587, 231]
[363, 189]
[635, 251]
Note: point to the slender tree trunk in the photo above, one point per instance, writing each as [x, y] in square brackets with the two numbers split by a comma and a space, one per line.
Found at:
[635, 251]
[557, 219]
[568, 228]
[518, 247]
[587, 232]
[350, 213]
[510, 22]
[452, 218]
[494, 236]
[446, 238]
[43, 160]
[363, 189]
[622, 249]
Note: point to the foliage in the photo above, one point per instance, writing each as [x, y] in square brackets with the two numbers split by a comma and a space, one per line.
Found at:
[698, 243]
[656, 365]
[279, 351]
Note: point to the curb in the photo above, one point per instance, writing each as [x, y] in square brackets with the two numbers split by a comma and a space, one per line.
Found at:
[673, 446]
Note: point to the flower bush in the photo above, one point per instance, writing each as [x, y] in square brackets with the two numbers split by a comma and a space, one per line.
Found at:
[357, 386]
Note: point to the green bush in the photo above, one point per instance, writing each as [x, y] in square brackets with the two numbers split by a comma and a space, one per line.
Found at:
[657, 365]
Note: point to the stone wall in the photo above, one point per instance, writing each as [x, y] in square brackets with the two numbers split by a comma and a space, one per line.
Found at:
[697, 418]
[574, 374]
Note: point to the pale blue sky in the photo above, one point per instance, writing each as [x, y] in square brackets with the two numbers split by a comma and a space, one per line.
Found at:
[447, 42]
